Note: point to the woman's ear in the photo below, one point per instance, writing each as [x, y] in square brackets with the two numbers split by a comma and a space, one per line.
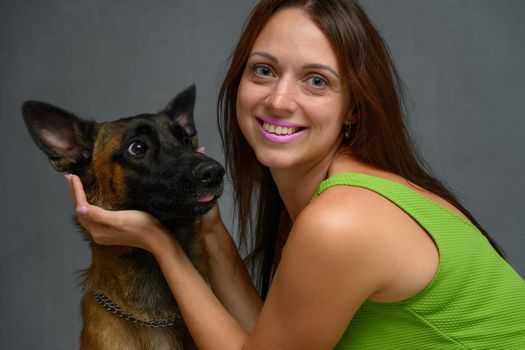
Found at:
[351, 116]
[350, 120]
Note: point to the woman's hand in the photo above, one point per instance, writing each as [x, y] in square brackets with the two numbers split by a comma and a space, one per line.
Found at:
[214, 233]
[131, 228]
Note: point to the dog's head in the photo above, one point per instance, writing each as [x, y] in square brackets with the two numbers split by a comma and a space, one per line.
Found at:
[146, 162]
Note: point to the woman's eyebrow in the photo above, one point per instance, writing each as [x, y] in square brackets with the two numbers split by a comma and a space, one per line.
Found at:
[265, 55]
[307, 66]
[321, 66]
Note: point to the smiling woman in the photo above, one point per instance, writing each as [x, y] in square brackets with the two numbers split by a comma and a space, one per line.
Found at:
[459, 60]
[361, 247]
[292, 82]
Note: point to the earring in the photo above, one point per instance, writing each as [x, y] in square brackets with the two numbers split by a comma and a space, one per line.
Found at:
[348, 129]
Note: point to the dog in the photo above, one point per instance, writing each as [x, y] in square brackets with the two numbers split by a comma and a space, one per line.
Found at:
[147, 162]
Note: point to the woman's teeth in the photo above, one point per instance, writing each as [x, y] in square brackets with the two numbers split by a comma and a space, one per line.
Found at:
[278, 130]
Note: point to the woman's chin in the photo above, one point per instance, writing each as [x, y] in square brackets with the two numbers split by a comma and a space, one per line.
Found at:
[275, 161]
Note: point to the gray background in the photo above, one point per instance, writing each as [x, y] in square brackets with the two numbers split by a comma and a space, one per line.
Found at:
[462, 62]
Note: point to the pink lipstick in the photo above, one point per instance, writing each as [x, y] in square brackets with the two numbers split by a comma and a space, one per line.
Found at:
[279, 131]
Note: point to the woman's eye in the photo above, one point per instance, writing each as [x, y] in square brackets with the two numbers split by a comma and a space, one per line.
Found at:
[262, 71]
[317, 82]
[137, 148]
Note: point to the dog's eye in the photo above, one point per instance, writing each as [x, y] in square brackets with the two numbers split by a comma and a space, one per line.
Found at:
[186, 140]
[137, 148]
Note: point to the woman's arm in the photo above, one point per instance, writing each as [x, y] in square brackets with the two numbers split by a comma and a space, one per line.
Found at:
[328, 268]
[210, 324]
[228, 275]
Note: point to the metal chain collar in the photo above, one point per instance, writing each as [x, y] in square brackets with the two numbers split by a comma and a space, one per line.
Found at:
[110, 306]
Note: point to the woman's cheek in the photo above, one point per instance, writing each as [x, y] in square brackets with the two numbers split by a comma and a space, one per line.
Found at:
[249, 98]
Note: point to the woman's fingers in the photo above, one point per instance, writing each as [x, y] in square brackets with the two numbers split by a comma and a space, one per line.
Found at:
[69, 180]
[123, 228]
[77, 192]
[94, 213]
[86, 211]
[212, 220]
[211, 217]
[214, 214]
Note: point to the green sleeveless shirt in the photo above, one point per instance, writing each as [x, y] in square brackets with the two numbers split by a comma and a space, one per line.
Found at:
[475, 300]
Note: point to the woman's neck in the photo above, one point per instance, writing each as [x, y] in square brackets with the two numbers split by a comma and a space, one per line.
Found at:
[297, 185]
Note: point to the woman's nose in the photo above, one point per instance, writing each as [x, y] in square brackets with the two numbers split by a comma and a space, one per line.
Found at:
[282, 97]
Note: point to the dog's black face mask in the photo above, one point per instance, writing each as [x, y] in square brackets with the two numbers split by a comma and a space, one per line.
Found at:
[146, 162]
[166, 176]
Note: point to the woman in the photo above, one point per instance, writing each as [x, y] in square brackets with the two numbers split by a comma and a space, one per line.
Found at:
[363, 248]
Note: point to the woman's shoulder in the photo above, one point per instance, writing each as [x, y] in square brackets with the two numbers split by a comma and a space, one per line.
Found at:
[338, 228]
[346, 207]
[359, 213]
[376, 235]
[346, 164]
[345, 216]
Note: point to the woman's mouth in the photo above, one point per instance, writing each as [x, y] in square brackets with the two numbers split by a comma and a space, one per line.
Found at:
[279, 131]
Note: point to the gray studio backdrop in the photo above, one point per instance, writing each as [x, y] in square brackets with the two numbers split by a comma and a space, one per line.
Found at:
[462, 62]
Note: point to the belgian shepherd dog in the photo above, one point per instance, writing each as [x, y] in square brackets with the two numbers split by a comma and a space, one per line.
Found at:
[147, 162]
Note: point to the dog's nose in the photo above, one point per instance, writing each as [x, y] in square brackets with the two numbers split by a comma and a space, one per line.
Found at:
[208, 173]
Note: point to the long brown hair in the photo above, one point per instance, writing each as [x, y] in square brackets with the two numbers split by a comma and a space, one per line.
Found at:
[379, 134]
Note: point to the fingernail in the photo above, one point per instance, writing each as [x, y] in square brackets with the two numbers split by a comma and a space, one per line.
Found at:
[83, 209]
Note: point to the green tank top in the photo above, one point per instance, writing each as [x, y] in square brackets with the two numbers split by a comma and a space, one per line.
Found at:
[475, 300]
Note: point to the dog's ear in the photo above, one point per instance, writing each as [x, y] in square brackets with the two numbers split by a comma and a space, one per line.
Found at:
[180, 109]
[66, 139]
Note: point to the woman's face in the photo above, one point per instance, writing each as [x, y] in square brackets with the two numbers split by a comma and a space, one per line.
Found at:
[291, 103]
